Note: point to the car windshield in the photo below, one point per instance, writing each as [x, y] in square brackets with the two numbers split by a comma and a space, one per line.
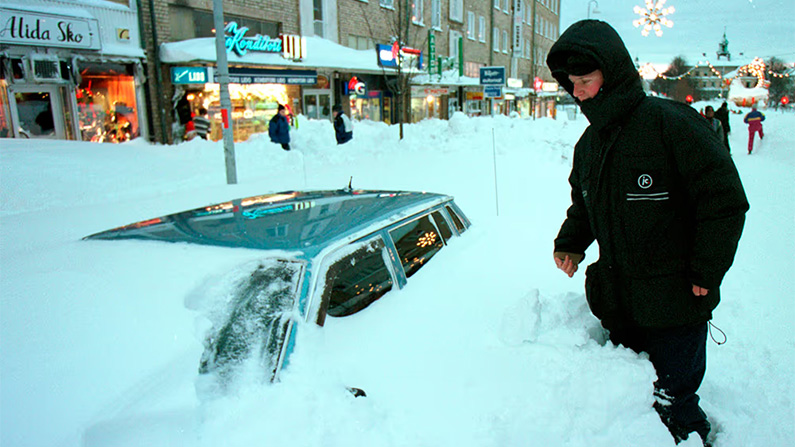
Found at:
[255, 324]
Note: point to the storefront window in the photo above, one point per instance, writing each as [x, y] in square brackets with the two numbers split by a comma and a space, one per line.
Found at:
[106, 102]
[366, 108]
[253, 105]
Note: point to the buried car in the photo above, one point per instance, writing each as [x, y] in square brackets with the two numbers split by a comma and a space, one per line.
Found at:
[325, 253]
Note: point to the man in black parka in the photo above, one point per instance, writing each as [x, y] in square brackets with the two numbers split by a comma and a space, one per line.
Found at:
[656, 188]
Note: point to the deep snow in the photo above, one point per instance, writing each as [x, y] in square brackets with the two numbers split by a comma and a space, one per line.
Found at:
[489, 345]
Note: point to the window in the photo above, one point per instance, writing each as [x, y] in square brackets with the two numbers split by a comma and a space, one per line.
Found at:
[357, 280]
[504, 41]
[505, 6]
[495, 39]
[360, 42]
[416, 242]
[436, 14]
[318, 15]
[496, 4]
[482, 29]
[387, 3]
[457, 10]
[455, 37]
[456, 220]
[470, 25]
[442, 225]
[416, 12]
[187, 23]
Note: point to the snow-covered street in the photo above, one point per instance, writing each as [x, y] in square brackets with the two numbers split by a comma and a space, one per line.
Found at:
[489, 345]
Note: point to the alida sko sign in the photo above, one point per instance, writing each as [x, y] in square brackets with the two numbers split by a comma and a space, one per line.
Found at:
[291, 47]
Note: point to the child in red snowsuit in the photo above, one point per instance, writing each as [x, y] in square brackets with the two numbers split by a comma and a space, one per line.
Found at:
[754, 120]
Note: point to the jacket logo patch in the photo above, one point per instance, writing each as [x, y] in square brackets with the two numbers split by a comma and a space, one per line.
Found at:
[645, 181]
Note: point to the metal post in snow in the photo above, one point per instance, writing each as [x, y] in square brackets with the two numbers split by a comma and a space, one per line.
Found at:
[226, 102]
[496, 194]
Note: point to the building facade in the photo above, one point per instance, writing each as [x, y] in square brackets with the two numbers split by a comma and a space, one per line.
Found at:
[71, 70]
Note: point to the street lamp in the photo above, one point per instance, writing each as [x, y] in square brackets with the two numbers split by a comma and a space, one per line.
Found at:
[595, 10]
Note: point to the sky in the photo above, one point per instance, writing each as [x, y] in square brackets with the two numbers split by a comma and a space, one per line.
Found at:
[489, 345]
[755, 28]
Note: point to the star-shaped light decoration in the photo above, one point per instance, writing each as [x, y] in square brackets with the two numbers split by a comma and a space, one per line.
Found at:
[653, 17]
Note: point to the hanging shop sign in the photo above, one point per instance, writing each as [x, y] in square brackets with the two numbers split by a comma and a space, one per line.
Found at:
[48, 30]
[549, 87]
[291, 47]
[492, 75]
[492, 91]
[269, 76]
[355, 87]
[423, 92]
[392, 55]
[189, 75]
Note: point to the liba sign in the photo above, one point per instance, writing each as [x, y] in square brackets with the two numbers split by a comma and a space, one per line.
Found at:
[189, 75]
[492, 75]
[291, 47]
[48, 30]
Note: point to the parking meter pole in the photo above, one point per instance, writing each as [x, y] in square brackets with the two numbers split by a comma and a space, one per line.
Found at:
[226, 102]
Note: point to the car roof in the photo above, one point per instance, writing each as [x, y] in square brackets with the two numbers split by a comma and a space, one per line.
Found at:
[304, 221]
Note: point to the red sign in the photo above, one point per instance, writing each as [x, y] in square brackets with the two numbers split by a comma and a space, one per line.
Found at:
[538, 83]
[395, 50]
[225, 118]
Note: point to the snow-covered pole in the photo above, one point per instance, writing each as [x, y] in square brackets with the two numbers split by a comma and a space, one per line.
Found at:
[494, 151]
[226, 102]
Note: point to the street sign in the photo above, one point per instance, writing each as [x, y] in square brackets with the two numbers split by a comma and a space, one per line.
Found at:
[189, 75]
[492, 76]
[492, 91]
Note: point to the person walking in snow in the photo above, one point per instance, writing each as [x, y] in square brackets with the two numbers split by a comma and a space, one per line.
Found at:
[279, 128]
[654, 186]
[343, 128]
[722, 114]
[714, 123]
[754, 120]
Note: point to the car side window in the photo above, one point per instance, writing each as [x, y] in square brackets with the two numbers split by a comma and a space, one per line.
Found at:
[456, 220]
[416, 243]
[357, 280]
[441, 223]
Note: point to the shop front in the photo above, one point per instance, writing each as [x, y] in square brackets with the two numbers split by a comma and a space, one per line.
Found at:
[367, 97]
[256, 94]
[74, 76]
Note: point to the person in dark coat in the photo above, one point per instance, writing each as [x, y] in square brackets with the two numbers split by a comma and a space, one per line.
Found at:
[714, 123]
[654, 186]
[279, 128]
[343, 128]
[722, 115]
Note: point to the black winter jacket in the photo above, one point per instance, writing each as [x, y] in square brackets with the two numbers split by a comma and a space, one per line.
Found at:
[655, 187]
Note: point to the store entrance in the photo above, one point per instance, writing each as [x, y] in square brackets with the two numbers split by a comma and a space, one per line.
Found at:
[37, 111]
[317, 104]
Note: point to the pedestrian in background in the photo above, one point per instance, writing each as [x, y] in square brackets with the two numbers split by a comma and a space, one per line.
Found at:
[653, 185]
[343, 128]
[722, 114]
[709, 114]
[754, 120]
[279, 128]
[201, 123]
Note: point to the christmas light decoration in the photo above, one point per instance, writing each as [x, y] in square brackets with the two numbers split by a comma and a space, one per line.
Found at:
[755, 68]
[653, 17]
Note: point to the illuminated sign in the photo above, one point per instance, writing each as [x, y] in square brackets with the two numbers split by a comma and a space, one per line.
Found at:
[515, 83]
[189, 75]
[48, 30]
[243, 75]
[391, 56]
[291, 47]
[355, 87]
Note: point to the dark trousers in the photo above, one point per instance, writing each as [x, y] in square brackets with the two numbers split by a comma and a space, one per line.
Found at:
[679, 356]
[286, 146]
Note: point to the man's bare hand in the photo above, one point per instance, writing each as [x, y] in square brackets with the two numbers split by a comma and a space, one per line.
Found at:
[567, 262]
[699, 291]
